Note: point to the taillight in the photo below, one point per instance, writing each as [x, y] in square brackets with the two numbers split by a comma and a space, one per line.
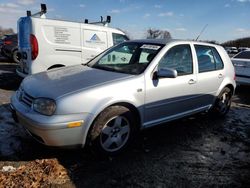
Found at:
[7, 42]
[34, 46]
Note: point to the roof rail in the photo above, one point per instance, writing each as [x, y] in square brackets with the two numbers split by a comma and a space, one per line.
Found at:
[104, 23]
[40, 13]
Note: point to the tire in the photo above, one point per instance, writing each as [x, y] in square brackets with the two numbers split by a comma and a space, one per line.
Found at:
[112, 130]
[15, 56]
[222, 103]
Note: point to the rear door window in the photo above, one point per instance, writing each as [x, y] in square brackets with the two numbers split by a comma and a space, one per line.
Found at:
[208, 58]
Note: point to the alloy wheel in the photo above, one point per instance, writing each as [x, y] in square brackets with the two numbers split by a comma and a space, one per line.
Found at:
[115, 134]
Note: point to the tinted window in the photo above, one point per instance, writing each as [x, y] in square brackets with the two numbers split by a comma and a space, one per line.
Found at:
[243, 55]
[208, 58]
[118, 38]
[178, 58]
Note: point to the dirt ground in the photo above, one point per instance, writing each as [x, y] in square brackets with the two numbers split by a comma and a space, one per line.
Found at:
[199, 151]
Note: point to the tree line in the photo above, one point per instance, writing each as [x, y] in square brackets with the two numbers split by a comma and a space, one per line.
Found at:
[163, 34]
[242, 42]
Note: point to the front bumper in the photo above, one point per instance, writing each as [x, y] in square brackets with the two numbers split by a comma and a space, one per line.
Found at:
[52, 130]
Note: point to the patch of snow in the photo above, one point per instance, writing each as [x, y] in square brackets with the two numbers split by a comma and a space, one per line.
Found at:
[8, 169]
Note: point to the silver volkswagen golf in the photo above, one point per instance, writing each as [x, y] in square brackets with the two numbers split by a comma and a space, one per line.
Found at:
[134, 85]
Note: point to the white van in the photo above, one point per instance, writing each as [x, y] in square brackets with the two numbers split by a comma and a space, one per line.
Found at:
[46, 43]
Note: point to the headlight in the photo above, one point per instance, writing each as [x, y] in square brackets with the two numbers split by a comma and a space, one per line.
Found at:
[44, 106]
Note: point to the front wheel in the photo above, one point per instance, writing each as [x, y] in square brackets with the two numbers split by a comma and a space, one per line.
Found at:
[112, 130]
[223, 103]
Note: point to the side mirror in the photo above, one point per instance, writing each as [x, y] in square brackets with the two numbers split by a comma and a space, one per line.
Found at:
[165, 73]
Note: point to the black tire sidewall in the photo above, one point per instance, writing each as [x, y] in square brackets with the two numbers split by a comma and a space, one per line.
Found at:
[215, 110]
[100, 122]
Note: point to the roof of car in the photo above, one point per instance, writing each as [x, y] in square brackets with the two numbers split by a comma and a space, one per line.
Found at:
[166, 41]
[154, 41]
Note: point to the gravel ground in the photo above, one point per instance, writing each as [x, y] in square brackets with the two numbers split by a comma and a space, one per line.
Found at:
[198, 151]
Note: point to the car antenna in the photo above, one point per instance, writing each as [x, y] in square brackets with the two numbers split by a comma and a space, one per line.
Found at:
[203, 29]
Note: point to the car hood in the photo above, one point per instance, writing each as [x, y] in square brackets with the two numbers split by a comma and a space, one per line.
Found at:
[57, 83]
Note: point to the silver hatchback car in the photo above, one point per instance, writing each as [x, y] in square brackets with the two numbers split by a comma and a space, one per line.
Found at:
[134, 85]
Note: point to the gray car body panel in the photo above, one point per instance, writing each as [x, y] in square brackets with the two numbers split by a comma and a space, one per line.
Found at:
[82, 90]
[242, 69]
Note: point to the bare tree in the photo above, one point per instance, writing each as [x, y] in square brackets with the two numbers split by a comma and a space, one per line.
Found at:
[158, 34]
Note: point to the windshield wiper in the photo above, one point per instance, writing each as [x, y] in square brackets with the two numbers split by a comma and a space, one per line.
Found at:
[112, 69]
[104, 68]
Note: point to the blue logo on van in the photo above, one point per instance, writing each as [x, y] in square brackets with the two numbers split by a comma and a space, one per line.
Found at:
[95, 38]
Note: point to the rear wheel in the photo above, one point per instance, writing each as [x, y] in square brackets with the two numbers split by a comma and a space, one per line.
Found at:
[223, 103]
[112, 130]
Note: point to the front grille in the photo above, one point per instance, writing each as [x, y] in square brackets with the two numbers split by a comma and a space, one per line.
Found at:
[25, 98]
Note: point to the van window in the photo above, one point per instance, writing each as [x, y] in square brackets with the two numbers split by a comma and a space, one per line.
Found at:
[208, 58]
[118, 38]
[179, 58]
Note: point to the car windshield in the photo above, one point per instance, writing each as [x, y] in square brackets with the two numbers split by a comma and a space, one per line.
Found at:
[243, 55]
[128, 57]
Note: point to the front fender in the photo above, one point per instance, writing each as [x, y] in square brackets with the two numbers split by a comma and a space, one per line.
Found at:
[96, 99]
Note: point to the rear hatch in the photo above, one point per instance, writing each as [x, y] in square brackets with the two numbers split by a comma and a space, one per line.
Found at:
[24, 46]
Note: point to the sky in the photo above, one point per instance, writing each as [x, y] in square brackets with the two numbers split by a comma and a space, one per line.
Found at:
[184, 19]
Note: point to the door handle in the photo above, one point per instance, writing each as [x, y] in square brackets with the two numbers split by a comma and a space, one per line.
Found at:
[220, 76]
[191, 81]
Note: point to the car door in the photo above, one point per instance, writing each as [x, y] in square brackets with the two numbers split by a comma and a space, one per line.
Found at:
[169, 98]
[210, 73]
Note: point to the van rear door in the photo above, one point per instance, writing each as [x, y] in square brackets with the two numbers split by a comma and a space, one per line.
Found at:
[94, 42]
